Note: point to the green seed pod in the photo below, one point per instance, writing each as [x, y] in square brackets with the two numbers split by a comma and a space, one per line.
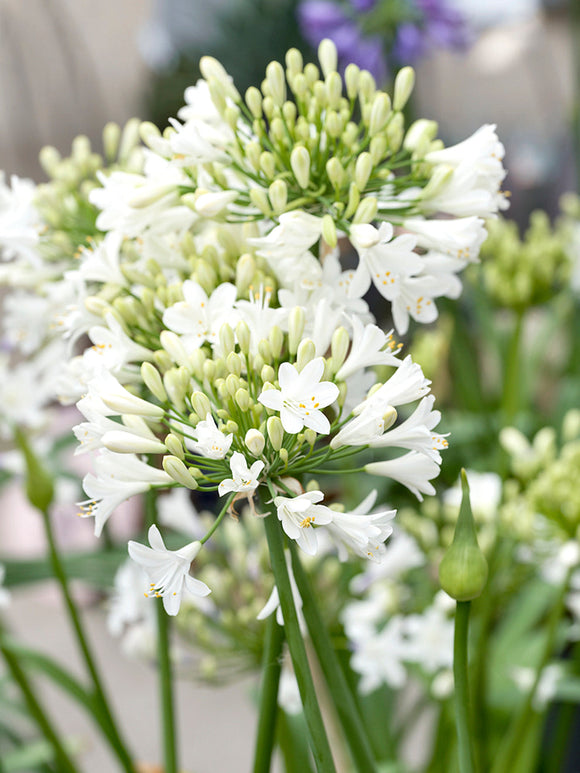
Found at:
[39, 484]
[463, 570]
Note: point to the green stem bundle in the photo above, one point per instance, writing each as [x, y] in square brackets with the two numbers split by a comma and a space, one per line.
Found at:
[267, 720]
[460, 675]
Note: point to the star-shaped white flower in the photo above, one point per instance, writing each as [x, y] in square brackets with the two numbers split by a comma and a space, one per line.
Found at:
[245, 478]
[168, 570]
[209, 440]
[301, 397]
[300, 514]
[198, 317]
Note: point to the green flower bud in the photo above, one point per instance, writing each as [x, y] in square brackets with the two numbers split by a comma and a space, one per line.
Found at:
[389, 417]
[300, 163]
[275, 432]
[152, 380]
[278, 193]
[378, 148]
[395, 132]
[267, 373]
[366, 210]
[362, 170]
[311, 73]
[276, 339]
[380, 113]
[245, 270]
[111, 138]
[463, 570]
[276, 82]
[333, 124]
[234, 363]
[148, 132]
[255, 441]
[268, 103]
[260, 200]
[277, 130]
[404, 84]
[172, 344]
[253, 152]
[177, 470]
[209, 370]
[289, 111]
[310, 437]
[283, 452]
[232, 384]
[196, 361]
[335, 172]
[226, 339]
[174, 445]
[294, 62]
[329, 231]
[439, 179]
[98, 306]
[265, 350]
[333, 83]
[129, 140]
[305, 354]
[353, 200]
[254, 101]
[231, 426]
[352, 80]
[339, 347]
[367, 86]
[174, 386]
[420, 135]
[39, 484]
[327, 56]
[50, 160]
[296, 322]
[162, 360]
[242, 398]
[243, 335]
[200, 404]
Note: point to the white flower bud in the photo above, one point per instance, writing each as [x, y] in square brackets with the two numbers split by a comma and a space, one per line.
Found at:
[378, 148]
[267, 373]
[255, 441]
[380, 112]
[339, 347]
[420, 135]
[289, 111]
[333, 124]
[259, 199]
[395, 132]
[276, 82]
[174, 445]
[231, 427]
[150, 195]
[254, 101]
[234, 363]
[440, 177]
[335, 172]
[278, 193]
[353, 200]
[294, 62]
[111, 139]
[242, 398]
[327, 56]
[243, 335]
[306, 352]
[389, 417]
[209, 370]
[253, 151]
[404, 84]
[127, 443]
[148, 132]
[367, 86]
[200, 404]
[300, 163]
[98, 306]
[362, 170]
[366, 210]
[174, 386]
[226, 339]
[275, 432]
[232, 384]
[245, 270]
[177, 470]
[171, 342]
[311, 73]
[212, 203]
[152, 380]
[329, 231]
[296, 322]
[352, 80]
[310, 437]
[333, 83]
[268, 164]
[276, 339]
[129, 140]
[283, 452]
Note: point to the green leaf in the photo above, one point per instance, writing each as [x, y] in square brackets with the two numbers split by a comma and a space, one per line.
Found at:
[32, 755]
[96, 568]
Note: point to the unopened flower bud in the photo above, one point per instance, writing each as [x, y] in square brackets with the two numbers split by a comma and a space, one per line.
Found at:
[254, 441]
[389, 418]
[352, 80]
[439, 179]
[362, 170]
[129, 140]
[265, 350]
[294, 61]
[275, 432]
[329, 231]
[209, 370]
[242, 398]
[127, 443]
[353, 200]
[283, 453]
[267, 373]
[335, 172]
[310, 437]
[300, 163]
[231, 427]
[234, 363]
[276, 339]
[463, 570]
[200, 404]
[171, 342]
[296, 322]
[254, 101]
[259, 199]
[98, 307]
[39, 483]
[162, 360]
[395, 132]
[232, 384]
[366, 210]
[380, 111]
[244, 336]
[174, 445]
[333, 124]
[366, 86]
[327, 56]
[305, 354]
[211, 204]
[226, 339]
[173, 383]
[276, 82]
[278, 193]
[111, 139]
[177, 470]
[339, 347]
[404, 84]
[420, 135]
[149, 133]
[378, 148]
[152, 380]
[245, 270]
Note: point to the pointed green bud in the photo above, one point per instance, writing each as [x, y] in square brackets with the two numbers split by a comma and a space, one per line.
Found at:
[234, 363]
[232, 384]
[276, 339]
[231, 426]
[362, 170]
[395, 132]
[380, 113]
[232, 116]
[242, 398]
[366, 86]
[352, 80]
[300, 163]
[260, 200]
[177, 470]
[311, 73]
[268, 104]
[171, 342]
[335, 172]
[173, 383]
[366, 210]
[420, 135]
[244, 336]
[283, 452]
[209, 370]
[289, 111]
[296, 322]
[98, 307]
[305, 354]
[174, 445]
[329, 231]
[278, 193]
[275, 432]
[245, 270]
[378, 149]
[196, 360]
[310, 436]
[339, 347]
[463, 570]
[226, 339]
[39, 483]
[200, 404]
[353, 200]
[277, 130]
[162, 360]
[111, 139]
[404, 84]
[152, 380]
[265, 350]
[333, 124]
[254, 101]
[253, 152]
[276, 82]
[294, 61]
[267, 373]
[255, 441]
[333, 83]
[327, 56]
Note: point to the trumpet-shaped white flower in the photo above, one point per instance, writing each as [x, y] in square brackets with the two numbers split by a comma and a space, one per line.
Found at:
[300, 514]
[361, 531]
[197, 142]
[102, 263]
[245, 479]
[90, 433]
[406, 385]
[119, 477]
[209, 441]
[105, 390]
[114, 345]
[198, 318]
[370, 346]
[168, 570]
[413, 470]
[363, 429]
[459, 238]
[383, 260]
[301, 397]
[259, 317]
[416, 433]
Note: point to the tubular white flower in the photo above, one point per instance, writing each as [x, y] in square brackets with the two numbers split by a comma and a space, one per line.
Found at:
[301, 397]
[245, 479]
[212, 203]
[406, 385]
[90, 433]
[379, 657]
[364, 428]
[361, 532]
[414, 470]
[168, 570]
[19, 220]
[300, 514]
[416, 432]
[209, 441]
[106, 388]
[128, 443]
[370, 346]
[460, 238]
[115, 346]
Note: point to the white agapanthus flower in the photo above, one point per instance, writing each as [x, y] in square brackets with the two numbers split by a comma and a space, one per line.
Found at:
[459, 238]
[370, 346]
[168, 570]
[380, 658]
[362, 531]
[19, 220]
[198, 317]
[301, 397]
[245, 479]
[429, 635]
[413, 470]
[209, 440]
[299, 515]
[103, 262]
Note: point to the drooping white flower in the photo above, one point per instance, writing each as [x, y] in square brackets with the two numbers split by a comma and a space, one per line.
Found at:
[105, 389]
[198, 142]
[168, 570]
[416, 433]
[414, 470]
[113, 344]
[212, 203]
[460, 238]
[406, 385]
[128, 606]
[198, 318]
[119, 477]
[382, 259]
[363, 429]
[209, 441]
[370, 346]
[301, 397]
[90, 433]
[361, 531]
[245, 479]
[288, 693]
[300, 514]
[402, 553]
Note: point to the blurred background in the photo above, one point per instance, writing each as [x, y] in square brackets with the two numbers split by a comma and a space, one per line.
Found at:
[67, 67]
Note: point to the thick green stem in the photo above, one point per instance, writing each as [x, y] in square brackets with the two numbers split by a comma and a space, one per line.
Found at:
[112, 732]
[460, 675]
[317, 733]
[512, 389]
[271, 668]
[168, 728]
[513, 741]
[39, 715]
[292, 741]
[338, 687]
